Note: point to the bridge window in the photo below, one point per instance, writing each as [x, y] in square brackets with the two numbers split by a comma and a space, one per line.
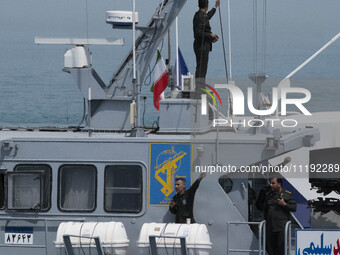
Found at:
[29, 188]
[77, 188]
[123, 188]
[226, 183]
[2, 191]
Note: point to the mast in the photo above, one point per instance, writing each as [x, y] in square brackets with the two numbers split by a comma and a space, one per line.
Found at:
[177, 60]
[146, 46]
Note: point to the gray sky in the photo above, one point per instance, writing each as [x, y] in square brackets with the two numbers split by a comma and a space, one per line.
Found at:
[294, 27]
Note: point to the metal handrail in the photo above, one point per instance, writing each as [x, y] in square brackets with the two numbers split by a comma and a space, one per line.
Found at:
[288, 237]
[288, 234]
[153, 245]
[69, 248]
[262, 238]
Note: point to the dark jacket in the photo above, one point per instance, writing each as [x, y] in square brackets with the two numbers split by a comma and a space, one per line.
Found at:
[185, 204]
[202, 29]
[261, 198]
[277, 215]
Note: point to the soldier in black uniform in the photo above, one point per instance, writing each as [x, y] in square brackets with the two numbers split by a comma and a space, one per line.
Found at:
[203, 36]
[278, 205]
[182, 203]
[262, 195]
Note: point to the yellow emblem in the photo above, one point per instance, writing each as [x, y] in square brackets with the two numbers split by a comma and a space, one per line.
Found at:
[287, 191]
[168, 162]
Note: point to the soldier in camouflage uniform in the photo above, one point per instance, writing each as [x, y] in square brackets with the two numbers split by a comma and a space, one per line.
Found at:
[278, 205]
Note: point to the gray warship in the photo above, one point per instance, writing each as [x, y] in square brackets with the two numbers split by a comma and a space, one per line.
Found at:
[115, 173]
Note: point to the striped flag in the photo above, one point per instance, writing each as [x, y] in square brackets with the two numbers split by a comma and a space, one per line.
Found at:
[160, 80]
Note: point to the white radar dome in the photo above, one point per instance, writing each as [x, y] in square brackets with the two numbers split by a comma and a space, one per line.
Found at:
[120, 18]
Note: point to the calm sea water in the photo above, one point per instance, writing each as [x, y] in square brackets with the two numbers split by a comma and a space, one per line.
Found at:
[34, 91]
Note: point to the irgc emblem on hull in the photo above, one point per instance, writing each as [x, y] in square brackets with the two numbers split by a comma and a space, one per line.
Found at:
[166, 163]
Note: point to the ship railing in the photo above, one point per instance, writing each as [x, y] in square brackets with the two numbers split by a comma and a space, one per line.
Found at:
[288, 234]
[288, 238]
[262, 237]
[69, 248]
[153, 244]
[45, 220]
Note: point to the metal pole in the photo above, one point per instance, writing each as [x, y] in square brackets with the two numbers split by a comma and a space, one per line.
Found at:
[177, 66]
[230, 111]
[228, 225]
[288, 223]
[264, 237]
[229, 35]
[68, 245]
[313, 56]
[46, 230]
[286, 82]
[134, 37]
[134, 82]
[290, 238]
[89, 111]
[260, 238]
[170, 80]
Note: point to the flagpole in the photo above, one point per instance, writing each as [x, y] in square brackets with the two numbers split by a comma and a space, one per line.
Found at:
[230, 110]
[137, 131]
[134, 37]
[229, 37]
[177, 60]
[134, 81]
[135, 101]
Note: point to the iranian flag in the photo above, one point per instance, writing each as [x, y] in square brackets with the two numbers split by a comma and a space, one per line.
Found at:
[160, 80]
